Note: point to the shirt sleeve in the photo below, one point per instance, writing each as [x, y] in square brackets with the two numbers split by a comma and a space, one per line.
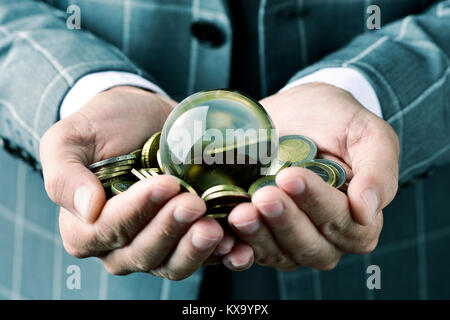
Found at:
[92, 84]
[347, 79]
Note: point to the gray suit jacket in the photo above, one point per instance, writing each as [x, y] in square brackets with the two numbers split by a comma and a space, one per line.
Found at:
[407, 62]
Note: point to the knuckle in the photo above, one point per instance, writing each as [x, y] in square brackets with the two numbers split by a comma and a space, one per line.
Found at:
[75, 251]
[109, 237]
[169, 274]
[330, 265]
[367, 247]
[167, 232]
[307, 254]
[54, 186]
[114, 269]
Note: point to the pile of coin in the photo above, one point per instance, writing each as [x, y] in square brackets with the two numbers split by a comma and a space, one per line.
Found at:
[300, 151]
[120, 173]
[113, 170]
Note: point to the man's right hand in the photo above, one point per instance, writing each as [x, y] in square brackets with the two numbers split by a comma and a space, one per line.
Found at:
[149, 228]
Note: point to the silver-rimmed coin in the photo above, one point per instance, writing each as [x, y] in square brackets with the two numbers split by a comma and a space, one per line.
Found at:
[111, 160]
[341, 173]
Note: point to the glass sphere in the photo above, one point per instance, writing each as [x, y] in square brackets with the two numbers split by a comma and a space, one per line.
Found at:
[218, 137]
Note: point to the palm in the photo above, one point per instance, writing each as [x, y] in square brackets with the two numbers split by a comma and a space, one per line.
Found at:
[114, 123]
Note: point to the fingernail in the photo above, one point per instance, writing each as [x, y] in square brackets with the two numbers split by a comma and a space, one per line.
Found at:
[248, 227]
[271, 209]
[185, 215]
[370, 198]
[81, 200]
[294, 186]
[237, 264]
[224, 247]
[203, 243]
[161, 193]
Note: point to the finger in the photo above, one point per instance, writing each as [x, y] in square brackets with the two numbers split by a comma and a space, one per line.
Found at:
[223, 248]
[240, 258]
[249, 227]
[121, 219]
[159, 237]
[373, 150]
[329, 210]
[293, 230]
[192, 251]
[64, 152]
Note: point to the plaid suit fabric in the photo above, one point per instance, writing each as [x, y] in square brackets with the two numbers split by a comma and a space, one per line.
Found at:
[40, 60]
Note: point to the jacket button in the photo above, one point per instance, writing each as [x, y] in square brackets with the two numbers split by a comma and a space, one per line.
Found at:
[207, 33]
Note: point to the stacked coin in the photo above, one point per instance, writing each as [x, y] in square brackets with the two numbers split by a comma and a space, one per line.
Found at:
[221, 199]
[300, 151]
[113, 169]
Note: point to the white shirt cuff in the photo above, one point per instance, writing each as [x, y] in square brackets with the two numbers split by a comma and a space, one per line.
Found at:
[347, 79]
[92, 84]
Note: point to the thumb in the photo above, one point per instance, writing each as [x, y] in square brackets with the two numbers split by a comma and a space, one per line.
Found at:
[374, 161]
[67, 180]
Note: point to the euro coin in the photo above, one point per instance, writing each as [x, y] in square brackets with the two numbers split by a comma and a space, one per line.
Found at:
[341, 174]
[217, 215]
[185, 186]
[149, 150]
[324, 171]
[107, 170]
[285, 165]
[296, 148]
[112, 175]
[109, 182]
[224, 197]
[221, 187]
[137, 174]
[145, 173]
[260, 183]
[138, 154]
[120, 186]
[111, 161]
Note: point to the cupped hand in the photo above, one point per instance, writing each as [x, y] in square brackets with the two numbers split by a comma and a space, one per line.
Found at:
[151, 227]
[306, 222]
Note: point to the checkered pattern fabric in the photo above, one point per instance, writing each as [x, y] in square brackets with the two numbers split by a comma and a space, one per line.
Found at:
[406, 62]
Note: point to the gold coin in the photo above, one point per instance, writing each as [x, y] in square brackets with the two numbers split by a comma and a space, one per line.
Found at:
[217, 215]
[154, 171]
[110, 161]
[326, 172]
[260, 183]
[120, 186]
[112, 175]
[149, 150]
[109, 182]
[107, 170]
[285, 165]
[185, 186]
[137, 174]
[296, 148]
[223, 197]
[341, 174]
[144, 172]
[221, 187]
[159, 162]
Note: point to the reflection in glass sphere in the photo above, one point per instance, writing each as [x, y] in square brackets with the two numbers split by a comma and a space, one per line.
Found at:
[218, 137]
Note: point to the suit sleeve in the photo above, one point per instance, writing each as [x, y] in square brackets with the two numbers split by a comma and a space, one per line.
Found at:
[40, 60]
[408, 64]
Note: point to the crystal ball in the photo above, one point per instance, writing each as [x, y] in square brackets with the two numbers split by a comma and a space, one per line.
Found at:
[218, 137]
